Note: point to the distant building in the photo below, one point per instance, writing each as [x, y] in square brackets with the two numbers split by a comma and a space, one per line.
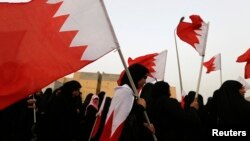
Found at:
[89, 82]
[108, 83]
[95, 82]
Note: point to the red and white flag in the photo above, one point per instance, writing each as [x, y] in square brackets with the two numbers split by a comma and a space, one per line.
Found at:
[119, 110]
[14, 1]
[245, 58]
[244, 82]
[98, 118]
[155, 62]
[194, 33]
[42, 41]
[183, 94]
[213, 64]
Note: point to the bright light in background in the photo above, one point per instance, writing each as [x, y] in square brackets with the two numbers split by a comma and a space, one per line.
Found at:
[15, 1]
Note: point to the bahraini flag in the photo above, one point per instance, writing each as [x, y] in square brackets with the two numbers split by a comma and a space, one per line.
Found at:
[155, 62]
[194, 33]
[244, 82]
[42, 41]
[183, 94]
[119, 110]
[213, 64]
[245, 58]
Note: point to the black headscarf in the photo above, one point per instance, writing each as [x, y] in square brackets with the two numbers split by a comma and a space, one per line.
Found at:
[137, 72]
[232, 108]
[161, 88]
[190, 98]
[69, 87]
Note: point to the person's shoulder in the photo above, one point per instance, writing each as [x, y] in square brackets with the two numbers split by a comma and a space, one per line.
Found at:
[166, 99]
[123, 89]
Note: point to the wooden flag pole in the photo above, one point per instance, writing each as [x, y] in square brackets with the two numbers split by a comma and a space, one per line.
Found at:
[125, 66]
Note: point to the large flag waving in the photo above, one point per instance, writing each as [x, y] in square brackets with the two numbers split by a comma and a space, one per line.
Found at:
[193, 33]
[155, 63]
[42, 41]
[213, 64]
[245, 58]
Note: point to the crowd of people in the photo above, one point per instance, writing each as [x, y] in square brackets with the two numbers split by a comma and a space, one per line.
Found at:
[61, 115]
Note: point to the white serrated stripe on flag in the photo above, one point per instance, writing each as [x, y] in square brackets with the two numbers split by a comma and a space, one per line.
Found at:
[243, 82]
[121, 104]
[160, 64]
[217, 62]
[202, 33]
[89, 18]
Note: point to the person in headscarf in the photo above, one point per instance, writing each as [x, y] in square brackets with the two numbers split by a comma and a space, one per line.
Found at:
[170, 120]
[196, 132]
[146, 93]
[232, 109]
[125, 114]
[62, 113]
[90, 116]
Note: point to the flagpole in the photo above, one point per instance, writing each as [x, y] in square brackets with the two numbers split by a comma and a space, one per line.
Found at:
[201, 66]
[220, 77]
[220, 71]
[133, 86]
[164, 67]
[34, 109]
[124, 64]
[178, 60]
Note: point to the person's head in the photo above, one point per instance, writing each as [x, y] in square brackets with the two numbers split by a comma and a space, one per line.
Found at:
[93, 102]
[190, 98]
[161, 88]
[139, 75]
[243, 91]
[88, 98]
[146, 91]
[232, 88]
[48, 91]
[101, 96]
[71, 88]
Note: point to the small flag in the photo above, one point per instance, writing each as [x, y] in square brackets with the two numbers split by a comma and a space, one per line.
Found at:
[213, 64]
[183, 94]
[194, 33]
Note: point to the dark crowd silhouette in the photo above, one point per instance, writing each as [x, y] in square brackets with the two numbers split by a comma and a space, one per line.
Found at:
[61, 115]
